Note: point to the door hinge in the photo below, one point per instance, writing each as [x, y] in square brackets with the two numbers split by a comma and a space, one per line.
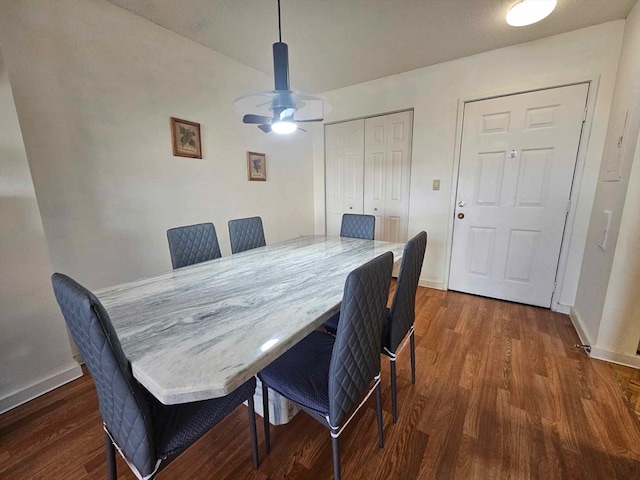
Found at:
[569, 206]
[584, 114]
[555, 286]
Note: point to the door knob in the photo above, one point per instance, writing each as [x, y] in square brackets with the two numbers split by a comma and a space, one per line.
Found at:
[461, 216]
[461, 203]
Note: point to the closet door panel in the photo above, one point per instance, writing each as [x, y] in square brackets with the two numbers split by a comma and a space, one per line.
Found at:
[344, 170]
[398, 176]
[375, 171]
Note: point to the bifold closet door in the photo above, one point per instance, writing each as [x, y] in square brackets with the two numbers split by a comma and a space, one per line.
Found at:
[387, 173]
[344, 164]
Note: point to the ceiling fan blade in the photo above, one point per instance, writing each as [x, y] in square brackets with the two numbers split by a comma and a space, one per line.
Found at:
[250, 118]
[310, 120]
[266, 128]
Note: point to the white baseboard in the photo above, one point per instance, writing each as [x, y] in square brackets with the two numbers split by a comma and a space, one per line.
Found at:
[578, 324]
[23, 396]
[560, 308]
[606, 355]
[423, 282]
[632, 361]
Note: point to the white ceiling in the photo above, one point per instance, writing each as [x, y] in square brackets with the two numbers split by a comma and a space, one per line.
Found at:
[335, 43]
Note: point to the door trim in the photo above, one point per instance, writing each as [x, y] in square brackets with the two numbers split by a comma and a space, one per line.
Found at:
[593, 83]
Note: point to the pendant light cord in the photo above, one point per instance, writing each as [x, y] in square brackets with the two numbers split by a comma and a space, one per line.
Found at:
[279, 24]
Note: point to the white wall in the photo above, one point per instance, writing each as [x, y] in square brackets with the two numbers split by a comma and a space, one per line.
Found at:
[619, 330]
[94, 87]
[34, 349]
[607, 306]
[434, 93]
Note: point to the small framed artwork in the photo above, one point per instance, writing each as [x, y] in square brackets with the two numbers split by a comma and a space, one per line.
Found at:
[185, 137]
[257, 166]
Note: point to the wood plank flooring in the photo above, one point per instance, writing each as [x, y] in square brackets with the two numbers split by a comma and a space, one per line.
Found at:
[501, 392]
[629, 380]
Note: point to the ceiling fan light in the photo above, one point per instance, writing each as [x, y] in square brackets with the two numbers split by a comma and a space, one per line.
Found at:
[283, 127]
[278, 110]
[527, 12]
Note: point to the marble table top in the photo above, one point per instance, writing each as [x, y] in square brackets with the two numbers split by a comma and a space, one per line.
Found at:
[201, 331]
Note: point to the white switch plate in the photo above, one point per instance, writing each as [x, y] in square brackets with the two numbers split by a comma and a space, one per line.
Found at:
[605, 223]
[436, 184]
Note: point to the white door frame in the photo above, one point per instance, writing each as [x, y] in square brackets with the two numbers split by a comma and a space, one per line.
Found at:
[575, 188]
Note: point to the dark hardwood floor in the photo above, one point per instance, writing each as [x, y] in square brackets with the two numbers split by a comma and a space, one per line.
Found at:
[501, 392]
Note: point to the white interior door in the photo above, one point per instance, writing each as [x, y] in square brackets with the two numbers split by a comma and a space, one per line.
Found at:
[517, 161]
[344, 147]
[387, 173]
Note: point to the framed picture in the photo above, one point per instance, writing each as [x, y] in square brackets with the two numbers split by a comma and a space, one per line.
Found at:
[185, 137]
[257, 166]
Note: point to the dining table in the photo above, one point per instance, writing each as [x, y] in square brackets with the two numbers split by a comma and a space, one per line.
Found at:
[201, 331]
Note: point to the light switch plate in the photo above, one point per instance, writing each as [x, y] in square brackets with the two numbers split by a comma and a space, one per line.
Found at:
[436, 184]
[605, 224]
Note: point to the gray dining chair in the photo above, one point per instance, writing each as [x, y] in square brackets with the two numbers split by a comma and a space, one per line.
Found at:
[399, 323]
[358, 226]
[246, 234]
[147, 433]
[193, 244]
[400, 318]
[326, 375]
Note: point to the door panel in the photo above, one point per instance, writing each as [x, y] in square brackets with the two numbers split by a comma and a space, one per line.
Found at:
[517, 161]
[375, 171]
[387, 169]
[344, 147]
[399, 139]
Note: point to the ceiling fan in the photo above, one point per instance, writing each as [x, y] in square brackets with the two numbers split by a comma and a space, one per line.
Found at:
[280, 110]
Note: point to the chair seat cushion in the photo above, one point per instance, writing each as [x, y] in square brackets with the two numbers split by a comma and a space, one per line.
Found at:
[302, 373]
[176, 427]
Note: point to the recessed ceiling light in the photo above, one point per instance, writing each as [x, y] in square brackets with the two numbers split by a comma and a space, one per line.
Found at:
[527, 12]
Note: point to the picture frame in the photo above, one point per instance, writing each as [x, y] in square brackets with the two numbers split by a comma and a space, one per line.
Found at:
[186, 138]
[256, 167]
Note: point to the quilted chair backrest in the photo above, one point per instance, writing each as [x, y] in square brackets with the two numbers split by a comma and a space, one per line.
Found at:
[403, 311]
[355, 359]
[358, 226]
[193, 244]
[246, 233]
[122, 405]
